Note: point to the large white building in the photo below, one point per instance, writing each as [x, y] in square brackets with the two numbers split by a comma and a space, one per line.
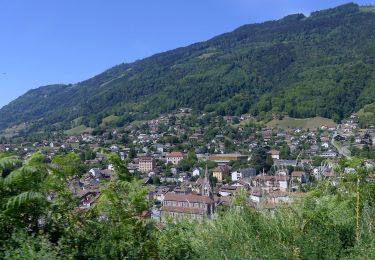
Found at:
[175, 157]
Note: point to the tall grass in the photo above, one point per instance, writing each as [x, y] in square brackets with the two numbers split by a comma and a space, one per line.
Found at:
[317, 228]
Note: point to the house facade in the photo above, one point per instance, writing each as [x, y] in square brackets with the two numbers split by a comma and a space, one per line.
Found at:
[244, 173]
[275, 154]
[220, 173]
[146, 164]
[186, 206]
[175, 157]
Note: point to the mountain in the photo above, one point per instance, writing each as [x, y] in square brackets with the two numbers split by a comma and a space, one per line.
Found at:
[321, 65]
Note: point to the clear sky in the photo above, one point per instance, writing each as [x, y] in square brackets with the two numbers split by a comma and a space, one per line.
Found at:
[66, 41]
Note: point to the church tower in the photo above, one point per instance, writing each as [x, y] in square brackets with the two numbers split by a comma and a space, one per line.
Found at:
[206, 187]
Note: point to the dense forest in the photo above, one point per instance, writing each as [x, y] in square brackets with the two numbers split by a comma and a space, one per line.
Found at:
[39, 219]
[320, 65]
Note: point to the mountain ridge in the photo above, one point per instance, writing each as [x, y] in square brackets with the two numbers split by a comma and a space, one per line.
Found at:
[295, 66]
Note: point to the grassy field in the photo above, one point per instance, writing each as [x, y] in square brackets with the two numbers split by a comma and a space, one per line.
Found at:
[109, 119]
[12, 131]
[77, 121]
[78, 130]
[367, 8]
[366, 111]
[306, 123]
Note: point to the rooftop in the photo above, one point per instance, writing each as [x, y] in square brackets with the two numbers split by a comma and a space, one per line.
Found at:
[191, 198]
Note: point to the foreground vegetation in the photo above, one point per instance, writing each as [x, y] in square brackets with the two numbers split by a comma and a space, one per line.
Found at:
[39, 220]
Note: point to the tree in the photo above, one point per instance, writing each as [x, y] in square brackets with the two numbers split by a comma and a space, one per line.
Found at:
[113, 228]
[35, 197]
[132, 153]
[260, 159]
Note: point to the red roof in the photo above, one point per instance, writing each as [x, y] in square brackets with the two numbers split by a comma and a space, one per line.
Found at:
[175, 154]
[192, 198]
[145, 158]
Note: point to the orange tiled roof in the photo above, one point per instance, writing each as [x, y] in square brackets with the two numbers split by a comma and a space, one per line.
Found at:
[175, 154]
[192, 198]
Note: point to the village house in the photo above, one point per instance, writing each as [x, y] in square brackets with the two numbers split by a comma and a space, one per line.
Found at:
[196, 137]
[91, 162]
[298, 176]
[371, 177]
[220, 173]
[86, 137]
[285, 163]
[160, 148]
[160, 193]
[331, 176]
[275, 154]
[369, 164]
[175, 157]
[146, 164]
[244, 173]
[87, 198]
[187, 206]
[278, 197]
[266, 134]
[96, 173]
[230, 190]
[260, 198]
[328, 154]
[256, 196]
[197, 171]
[269, 183]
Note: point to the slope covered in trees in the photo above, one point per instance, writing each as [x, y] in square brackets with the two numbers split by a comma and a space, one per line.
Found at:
[321, 65]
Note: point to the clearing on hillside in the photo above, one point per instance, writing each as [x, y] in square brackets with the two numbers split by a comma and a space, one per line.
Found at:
[79, 130]
[306, 123]
[109, 120]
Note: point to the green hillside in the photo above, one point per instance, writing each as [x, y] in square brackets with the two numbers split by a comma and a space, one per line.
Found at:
[321, 65]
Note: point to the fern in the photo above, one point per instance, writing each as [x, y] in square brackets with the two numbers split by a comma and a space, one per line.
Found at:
[24, 198]
[19, 174]
[8, 162]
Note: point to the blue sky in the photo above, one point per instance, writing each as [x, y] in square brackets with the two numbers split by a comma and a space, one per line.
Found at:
[49, 41]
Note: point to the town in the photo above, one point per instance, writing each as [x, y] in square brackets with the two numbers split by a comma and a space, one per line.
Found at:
[197, 165]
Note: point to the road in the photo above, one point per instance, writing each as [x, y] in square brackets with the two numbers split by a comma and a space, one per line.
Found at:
[342, 150]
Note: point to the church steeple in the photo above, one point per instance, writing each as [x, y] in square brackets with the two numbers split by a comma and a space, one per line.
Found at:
[206, 187]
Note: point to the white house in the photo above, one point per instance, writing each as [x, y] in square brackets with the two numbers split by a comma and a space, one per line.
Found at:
[236, 175]
[243, 173]
[256, 197]
[197, 171]
[275, 154]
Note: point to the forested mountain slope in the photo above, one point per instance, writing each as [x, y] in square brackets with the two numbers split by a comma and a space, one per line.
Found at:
[321, 65]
